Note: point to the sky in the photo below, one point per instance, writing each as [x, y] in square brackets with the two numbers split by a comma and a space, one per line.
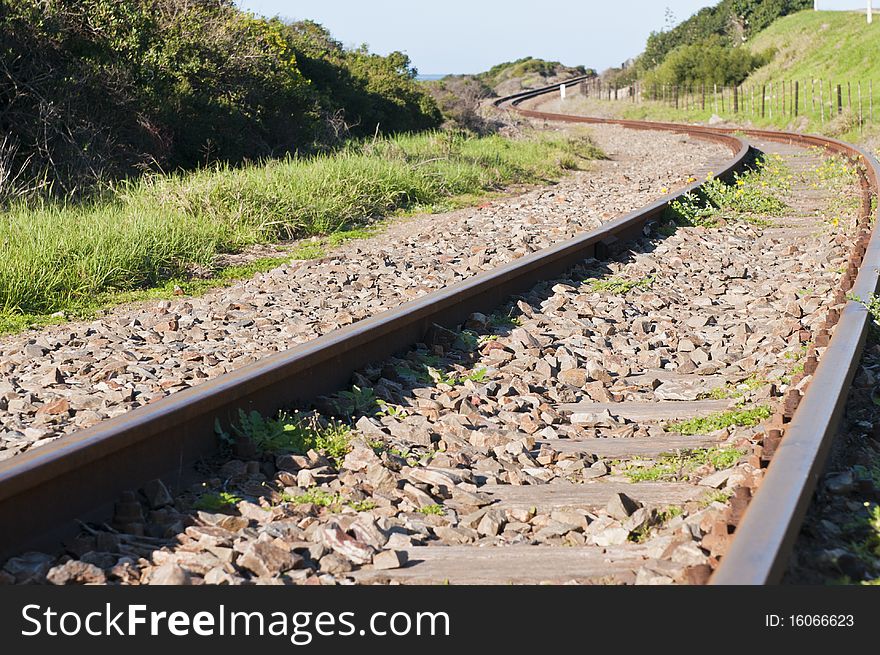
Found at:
[469, 36]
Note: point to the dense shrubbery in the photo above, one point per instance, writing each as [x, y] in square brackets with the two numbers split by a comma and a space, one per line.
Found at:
[733, 20]
[709, 62]
[703, 49]
[96, 89]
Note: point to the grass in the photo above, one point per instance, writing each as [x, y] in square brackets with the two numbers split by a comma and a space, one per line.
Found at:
[753, 196]
[680, 466]
[618, 287]
[216, 501]
[293, 434]
[708, 424]
[60, 257]
[86, 308]
[731, 390]
[435, 510]
[335, 502]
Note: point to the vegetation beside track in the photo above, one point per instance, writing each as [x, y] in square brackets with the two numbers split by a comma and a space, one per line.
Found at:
[161, 233]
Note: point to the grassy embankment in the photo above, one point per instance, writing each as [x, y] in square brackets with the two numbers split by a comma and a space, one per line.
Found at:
[809, 46]
[148, 237]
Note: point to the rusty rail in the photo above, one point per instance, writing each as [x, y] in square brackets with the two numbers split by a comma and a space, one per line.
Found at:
[78, 476]
[764, 537]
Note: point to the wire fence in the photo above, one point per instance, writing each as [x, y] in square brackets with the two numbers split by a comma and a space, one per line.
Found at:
[818, 99]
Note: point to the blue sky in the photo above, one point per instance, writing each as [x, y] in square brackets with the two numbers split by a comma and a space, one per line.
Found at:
[468, 36]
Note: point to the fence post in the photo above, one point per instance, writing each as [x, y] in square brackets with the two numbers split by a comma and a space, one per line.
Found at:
[821, 103]
[839, 99]
[771, 100]
[715, 97]
[796, 94]
[763, 100]
[849, 96]
[860, 106]
[871, 97]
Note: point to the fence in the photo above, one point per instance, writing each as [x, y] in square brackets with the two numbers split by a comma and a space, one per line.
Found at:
[817, 99]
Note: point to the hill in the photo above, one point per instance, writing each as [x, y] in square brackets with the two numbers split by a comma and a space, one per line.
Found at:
[819, 45]
[461, 97]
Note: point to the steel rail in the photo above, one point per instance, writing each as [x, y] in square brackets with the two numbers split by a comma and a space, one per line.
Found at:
[80, 475]
[765, 536]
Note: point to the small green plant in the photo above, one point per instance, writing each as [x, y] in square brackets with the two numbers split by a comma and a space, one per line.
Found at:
[681, 465]
[387, 409]
[503, 321]
[453, 379]
[659, 519]
[335, 502]
[871, 303]
[707, 424]
[618, 287]
[294, 433]
[731, 390]
[356, 402]
[752, 197]
[216, 501]
[435, 510]
[718, 495]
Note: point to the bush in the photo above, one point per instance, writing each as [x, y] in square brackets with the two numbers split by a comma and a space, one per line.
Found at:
[732, 20]
[709, 62]
[102, 89]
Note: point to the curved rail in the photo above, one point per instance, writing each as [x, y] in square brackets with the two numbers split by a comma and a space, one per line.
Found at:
[766, 534]
[43, 490]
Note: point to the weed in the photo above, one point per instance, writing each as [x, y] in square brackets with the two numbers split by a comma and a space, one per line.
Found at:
[708, 424]
[356, 402]
[681, 465]
[335, 502]
[752, 196]
[216, 501]
[296, 434]
[618, 287]
[436, 510]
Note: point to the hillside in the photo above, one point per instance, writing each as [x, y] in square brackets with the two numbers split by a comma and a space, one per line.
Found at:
[461, 97]
[819, 45]
[836, 48]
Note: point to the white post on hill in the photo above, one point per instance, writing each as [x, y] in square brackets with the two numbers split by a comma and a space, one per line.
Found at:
[562, 91]
[870, 12]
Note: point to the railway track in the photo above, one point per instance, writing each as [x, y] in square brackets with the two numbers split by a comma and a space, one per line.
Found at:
[538, 486]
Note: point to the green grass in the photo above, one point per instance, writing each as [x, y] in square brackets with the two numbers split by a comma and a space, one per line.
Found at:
[707, 424]
[618, 287]
[436, 510]
[809, 46]
[87, 308]
[293, 434]
[825, 45]
[752, 197]
[680, 466]
[56, 257]
[216, 501]
[335, 502]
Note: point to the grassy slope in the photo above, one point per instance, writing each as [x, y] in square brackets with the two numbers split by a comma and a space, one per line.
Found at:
[823, 45]
[820, 45]
[148, 237]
